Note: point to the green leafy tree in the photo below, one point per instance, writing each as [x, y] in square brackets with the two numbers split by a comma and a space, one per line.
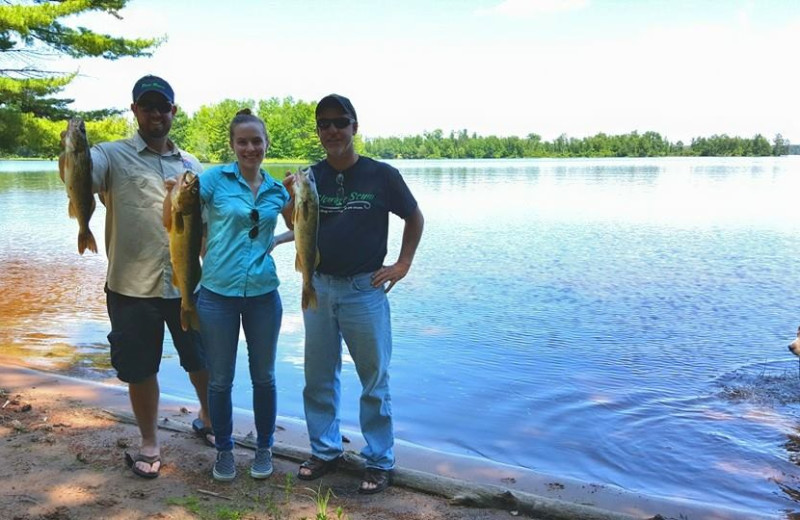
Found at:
[108, 129]
[179, 133]
[292, 129]
[781, 145]
[208, 134]
[31, 32]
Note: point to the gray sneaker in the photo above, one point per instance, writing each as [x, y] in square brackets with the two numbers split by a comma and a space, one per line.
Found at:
[225, 467]
[262, 463]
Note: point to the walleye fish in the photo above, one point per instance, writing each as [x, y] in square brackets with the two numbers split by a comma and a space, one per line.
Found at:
[76, 166]
[185, 230]
[306, 225]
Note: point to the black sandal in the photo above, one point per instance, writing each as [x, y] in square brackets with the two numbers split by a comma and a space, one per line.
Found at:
[382, 479]
[318, 467]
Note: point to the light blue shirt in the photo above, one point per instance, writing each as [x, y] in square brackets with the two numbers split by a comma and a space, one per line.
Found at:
[235, 264]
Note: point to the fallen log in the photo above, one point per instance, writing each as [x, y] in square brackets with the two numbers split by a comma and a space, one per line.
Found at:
[457, 492]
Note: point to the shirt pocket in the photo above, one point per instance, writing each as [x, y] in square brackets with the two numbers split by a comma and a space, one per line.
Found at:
[234, 208]
[138, 187]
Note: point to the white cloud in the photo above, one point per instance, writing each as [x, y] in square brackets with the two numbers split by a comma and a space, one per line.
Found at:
[533, 7]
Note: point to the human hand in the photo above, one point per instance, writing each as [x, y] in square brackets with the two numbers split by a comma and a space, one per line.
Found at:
[390, 274]
[288, 181]
[171, 182]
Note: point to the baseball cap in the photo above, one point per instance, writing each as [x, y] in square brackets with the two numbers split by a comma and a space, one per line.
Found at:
[335, 100]
[152, 84]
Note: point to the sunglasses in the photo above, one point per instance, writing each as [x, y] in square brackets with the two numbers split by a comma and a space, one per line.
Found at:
[339, 122]
[162, 107]
[340, 183]
[254, 217]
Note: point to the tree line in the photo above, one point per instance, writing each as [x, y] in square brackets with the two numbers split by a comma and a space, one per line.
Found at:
[32, 115]
[290, 124]
[462, 145]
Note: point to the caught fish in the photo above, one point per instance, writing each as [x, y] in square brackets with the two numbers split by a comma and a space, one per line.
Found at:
[306, 226]
[185, 230]
[76, 167]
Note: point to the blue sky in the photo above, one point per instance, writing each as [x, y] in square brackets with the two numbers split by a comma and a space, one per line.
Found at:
[683, 68]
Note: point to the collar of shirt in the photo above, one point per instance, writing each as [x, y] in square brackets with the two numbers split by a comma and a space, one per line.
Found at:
[267, 182]
[141, 146]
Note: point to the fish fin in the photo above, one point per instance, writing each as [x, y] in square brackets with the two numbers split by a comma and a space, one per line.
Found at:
[297, 265]
[86, 241]
[316, 260]
[72, 211]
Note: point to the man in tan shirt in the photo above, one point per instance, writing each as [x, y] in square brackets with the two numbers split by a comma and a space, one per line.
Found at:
[130, 176]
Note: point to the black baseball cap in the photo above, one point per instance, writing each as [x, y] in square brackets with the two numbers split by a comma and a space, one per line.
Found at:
[152, 84]
[335, 100]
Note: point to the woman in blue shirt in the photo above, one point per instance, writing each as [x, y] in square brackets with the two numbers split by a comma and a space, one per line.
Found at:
[239, 284]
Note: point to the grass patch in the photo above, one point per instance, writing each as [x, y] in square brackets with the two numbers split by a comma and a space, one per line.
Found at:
[190, 503]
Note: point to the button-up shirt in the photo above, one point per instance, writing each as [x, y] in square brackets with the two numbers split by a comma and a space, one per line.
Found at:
[236, 264]
[130, 178]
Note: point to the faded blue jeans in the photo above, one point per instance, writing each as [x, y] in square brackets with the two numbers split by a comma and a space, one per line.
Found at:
[260, 317]
[350, 309]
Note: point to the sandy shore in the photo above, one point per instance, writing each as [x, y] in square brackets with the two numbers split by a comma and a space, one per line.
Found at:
[62, 443]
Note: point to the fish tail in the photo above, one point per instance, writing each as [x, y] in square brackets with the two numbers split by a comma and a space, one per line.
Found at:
[309, 297]
[189, 318]
[86, 241]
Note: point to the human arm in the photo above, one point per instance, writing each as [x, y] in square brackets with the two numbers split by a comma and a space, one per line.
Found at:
[412, 233]
[286, 236]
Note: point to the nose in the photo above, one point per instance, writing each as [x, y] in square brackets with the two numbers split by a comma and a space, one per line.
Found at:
[790, 348]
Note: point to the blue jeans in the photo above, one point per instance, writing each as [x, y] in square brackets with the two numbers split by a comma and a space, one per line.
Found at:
[260, 318]
[350, 309]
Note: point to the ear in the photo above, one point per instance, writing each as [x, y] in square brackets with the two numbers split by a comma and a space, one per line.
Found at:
[355, 128]
[174, 109]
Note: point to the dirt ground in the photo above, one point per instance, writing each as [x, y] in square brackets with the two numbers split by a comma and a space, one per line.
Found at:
[62, 460]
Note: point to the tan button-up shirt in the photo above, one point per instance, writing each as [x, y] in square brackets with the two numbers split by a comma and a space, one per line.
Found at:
[130, 178]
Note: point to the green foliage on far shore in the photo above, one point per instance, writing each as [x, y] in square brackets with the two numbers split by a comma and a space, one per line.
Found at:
[462, 145]
[293, 138]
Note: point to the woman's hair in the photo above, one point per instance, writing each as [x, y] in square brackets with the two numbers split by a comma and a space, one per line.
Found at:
[245, 115]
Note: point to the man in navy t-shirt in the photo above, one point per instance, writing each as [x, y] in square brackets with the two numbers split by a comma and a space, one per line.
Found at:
[356, 195]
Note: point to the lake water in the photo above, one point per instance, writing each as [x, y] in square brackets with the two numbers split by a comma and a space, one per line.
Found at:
[619, 322]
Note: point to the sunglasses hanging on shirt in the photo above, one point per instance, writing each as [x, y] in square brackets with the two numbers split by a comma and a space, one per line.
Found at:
[254, 217]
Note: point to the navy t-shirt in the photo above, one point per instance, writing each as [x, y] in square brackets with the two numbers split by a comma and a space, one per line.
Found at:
[354, 215]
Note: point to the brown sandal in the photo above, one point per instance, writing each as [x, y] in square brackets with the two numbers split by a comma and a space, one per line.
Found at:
[318, 467]
[382, 479]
